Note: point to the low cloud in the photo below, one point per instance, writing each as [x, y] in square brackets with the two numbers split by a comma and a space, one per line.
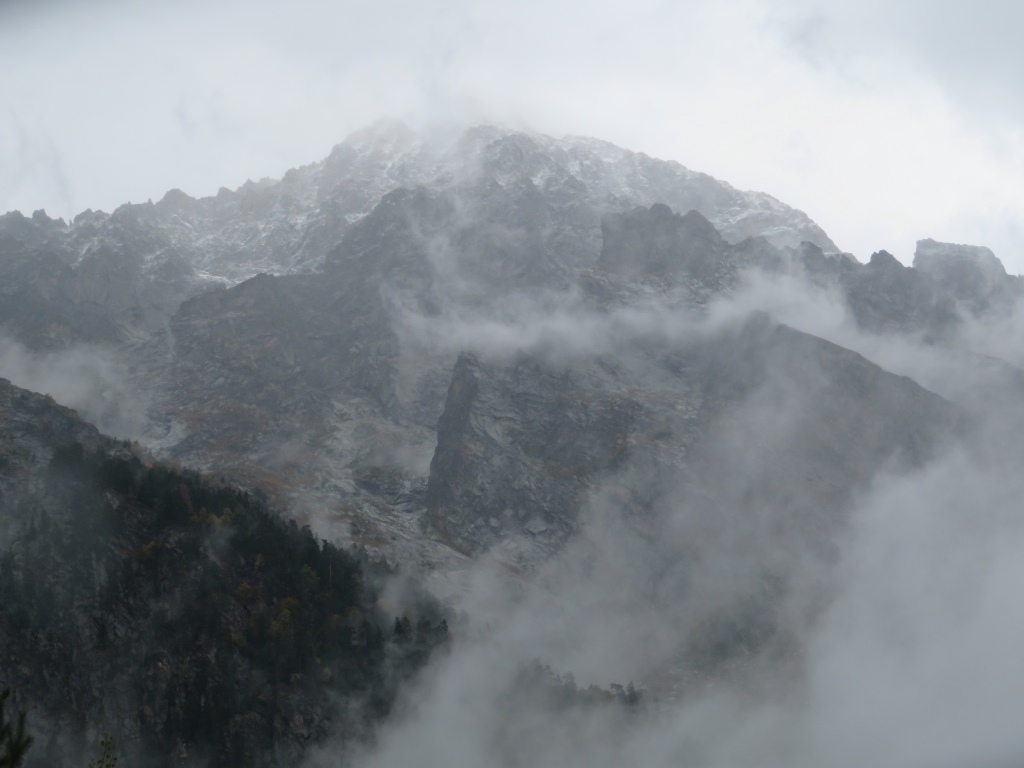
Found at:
[89, 380]
[903, 636]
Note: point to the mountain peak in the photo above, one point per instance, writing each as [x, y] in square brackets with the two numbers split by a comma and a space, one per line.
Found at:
[972, 273]
[934, 257]
[289, 226]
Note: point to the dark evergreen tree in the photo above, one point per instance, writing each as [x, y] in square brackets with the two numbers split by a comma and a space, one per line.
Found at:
[14, 742]
[233, 633]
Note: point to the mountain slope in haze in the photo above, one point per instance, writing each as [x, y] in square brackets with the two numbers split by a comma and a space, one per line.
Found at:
[315, 383]
[177, 614]
[134, 265]
[503, 350]
[324, 387]
[520, 444]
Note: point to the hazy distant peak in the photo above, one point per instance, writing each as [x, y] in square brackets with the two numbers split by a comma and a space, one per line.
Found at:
[288, 226]
[884, 260]
[386, 131]
[608, 177]
[971, 273]
[932, 256]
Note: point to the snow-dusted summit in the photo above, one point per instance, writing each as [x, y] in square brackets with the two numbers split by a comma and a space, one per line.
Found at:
[288, 226]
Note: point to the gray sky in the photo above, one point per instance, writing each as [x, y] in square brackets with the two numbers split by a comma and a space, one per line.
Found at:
[886, 122]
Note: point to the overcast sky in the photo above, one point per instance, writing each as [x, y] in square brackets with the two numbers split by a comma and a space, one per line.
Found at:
[886, 122]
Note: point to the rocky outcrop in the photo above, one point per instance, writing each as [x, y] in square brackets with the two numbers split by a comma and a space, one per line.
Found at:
[970, 274]
[886, 296]
[517, 448]
[522, 445]
[660, 243]
[947, 284]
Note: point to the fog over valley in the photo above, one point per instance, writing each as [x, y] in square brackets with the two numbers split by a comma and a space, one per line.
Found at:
[493, 434]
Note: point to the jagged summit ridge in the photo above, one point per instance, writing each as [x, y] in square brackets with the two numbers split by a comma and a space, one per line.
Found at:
[971, 273]
[605, 176]
[289, 225]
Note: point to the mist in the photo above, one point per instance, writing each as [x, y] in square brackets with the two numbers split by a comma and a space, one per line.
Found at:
[913, 663]
[764, 618]
[87, 379]
[768, 614]
[896, 638]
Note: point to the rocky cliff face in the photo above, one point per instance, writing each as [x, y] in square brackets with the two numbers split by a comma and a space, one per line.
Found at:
[520, 445]
[308, 384]
[947, 284]
[658, 243]
[517, 449]
[303, 384]
[969, 274]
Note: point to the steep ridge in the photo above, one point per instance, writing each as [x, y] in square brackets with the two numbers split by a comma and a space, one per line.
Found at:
[521, 444]
[948, 284]
[134, 266]
[177, 614]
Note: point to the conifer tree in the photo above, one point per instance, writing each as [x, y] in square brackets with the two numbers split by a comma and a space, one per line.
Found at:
[106, 759]
[14, 743]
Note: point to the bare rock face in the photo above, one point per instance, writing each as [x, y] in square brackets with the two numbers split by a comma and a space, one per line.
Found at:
[257, 380]
[661, 243]
[517, 449]
[970, 274]
[886, 296]
[522, 445]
